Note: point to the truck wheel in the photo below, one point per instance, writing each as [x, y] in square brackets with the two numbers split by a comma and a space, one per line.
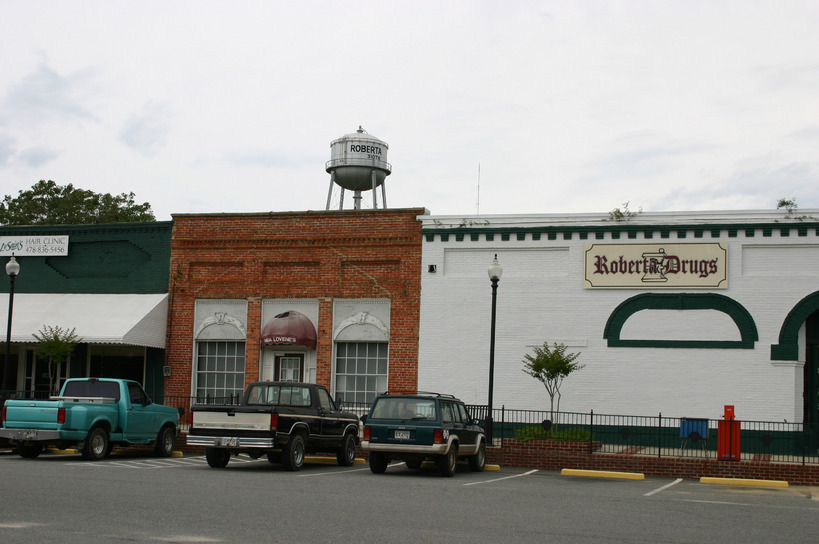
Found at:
[217, 457]
[477, 462]
[274, 457]
[378, 462]
[293, 453]
[346, 453]
[164, 442]
[29, 451]
[96, 444]
[448, 462]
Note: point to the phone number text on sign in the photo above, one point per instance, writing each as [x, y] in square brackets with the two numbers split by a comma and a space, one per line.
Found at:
[33, 245]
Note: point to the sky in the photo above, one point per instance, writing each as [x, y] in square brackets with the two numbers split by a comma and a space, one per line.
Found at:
[488, 107]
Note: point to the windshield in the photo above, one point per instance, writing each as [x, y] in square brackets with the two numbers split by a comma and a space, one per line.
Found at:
[404, 408]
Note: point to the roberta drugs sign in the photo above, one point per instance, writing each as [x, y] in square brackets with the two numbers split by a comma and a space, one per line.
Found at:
[35, 246]
[656, 266]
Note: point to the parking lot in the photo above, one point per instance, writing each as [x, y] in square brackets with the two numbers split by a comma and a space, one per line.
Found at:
[139, 498]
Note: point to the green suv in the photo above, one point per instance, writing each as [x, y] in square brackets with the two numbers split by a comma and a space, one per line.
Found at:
[420, 426]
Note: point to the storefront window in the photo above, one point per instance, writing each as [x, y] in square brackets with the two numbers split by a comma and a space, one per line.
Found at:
[220, 370]
[125, 362]
[361, 371]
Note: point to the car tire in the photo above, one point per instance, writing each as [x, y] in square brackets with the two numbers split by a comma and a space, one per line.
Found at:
[346, 453]
[30, 451]
[477, 462]
[414, 463]
[217, 457]
[96, 444]
[293, 454]
[165, 441]
[378, 462]
[448, 462]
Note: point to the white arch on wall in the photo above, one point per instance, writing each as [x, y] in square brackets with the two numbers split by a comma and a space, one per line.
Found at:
[361, 319]
[221, 319]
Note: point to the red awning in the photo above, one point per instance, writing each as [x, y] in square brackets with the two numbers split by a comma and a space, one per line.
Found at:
[290, 328]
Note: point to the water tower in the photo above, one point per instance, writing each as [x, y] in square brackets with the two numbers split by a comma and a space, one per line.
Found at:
[358, 162]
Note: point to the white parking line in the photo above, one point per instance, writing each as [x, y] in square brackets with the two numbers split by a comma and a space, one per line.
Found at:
[666, 486]
[332, 473]
[499, 479]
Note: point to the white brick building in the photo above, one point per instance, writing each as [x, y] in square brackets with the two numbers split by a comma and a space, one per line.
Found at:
[679, 313]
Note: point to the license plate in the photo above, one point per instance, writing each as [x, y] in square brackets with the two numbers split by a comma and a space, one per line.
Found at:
[226, 441]
[402, 435]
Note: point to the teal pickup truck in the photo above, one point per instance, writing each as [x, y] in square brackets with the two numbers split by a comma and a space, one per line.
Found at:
[94, 413]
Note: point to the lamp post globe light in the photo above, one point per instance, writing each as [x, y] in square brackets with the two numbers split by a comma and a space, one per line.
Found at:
[495, 272]
[12, 269]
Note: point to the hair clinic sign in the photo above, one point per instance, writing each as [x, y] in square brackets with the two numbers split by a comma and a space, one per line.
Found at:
[33, 246]
[656, 266]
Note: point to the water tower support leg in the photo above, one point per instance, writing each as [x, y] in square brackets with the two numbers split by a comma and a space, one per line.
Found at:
[384, 195]
[375, 193]
[330, 192]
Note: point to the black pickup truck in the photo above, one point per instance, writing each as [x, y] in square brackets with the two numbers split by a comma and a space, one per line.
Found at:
[284, 420]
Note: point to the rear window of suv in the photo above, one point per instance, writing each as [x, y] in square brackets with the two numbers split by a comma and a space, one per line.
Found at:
[404, 408]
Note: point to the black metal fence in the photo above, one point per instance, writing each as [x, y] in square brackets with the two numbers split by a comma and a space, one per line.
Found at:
[663, 436]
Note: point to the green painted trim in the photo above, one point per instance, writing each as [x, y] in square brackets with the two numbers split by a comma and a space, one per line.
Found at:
[788, 347]
[682, 301]
[614, 227]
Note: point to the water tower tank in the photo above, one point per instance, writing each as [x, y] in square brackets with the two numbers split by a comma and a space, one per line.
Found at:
[358, 162]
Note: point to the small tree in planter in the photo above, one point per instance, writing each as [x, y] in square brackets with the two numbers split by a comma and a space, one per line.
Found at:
[550, 364]
[56, 344]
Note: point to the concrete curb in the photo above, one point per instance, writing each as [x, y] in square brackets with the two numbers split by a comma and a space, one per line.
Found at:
[603, 474]
[743, 481]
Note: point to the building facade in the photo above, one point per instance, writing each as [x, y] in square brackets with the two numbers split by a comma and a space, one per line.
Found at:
[326, 297]
[679, 314]
[106, 282]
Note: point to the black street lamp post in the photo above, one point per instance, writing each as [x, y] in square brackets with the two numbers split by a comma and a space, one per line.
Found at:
[495, 272]
[12, 269]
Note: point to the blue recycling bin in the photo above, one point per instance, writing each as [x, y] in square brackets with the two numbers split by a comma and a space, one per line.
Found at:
[693, 431]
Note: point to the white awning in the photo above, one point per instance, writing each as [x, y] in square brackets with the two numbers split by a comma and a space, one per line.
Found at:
[137, 320]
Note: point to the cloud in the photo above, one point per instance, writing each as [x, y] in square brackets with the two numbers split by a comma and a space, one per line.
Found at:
[37, 156]
[147, 130]
[8, 149]
[44, 94]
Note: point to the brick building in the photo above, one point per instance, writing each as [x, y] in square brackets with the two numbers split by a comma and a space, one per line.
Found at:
[329, 297]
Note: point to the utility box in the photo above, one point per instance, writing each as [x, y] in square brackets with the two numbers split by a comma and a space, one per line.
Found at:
[728, 439]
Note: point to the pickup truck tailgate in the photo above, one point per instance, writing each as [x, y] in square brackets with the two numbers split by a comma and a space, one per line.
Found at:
[31, 414]
[240, 421]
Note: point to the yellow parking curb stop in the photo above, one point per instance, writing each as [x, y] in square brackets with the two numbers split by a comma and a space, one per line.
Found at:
[743, 481]
[603, 474]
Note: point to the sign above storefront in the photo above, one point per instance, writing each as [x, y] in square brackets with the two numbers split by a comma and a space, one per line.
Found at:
[656, 266]
[34, 246]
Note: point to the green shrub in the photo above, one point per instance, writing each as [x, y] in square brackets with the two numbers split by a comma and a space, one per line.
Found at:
[575, 434]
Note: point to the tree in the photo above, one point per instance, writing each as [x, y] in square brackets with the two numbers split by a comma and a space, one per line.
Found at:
[47, 203]
[550, 365]
[791, 207]
[56, 344]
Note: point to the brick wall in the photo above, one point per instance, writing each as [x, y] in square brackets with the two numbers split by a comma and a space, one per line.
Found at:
[296, 255]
